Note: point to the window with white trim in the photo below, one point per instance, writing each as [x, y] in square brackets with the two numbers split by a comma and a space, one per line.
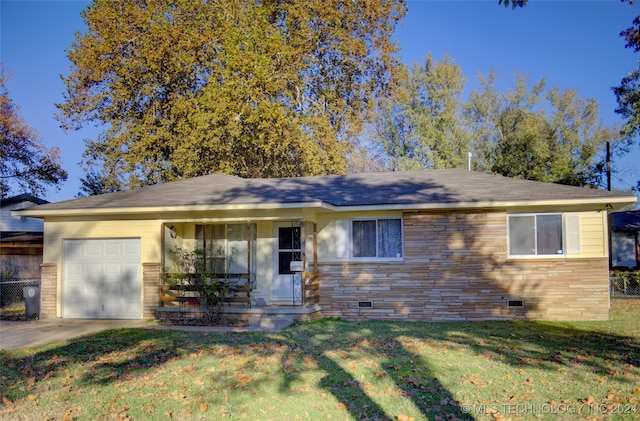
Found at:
[544, 234]
[373, 238]
[225, 247]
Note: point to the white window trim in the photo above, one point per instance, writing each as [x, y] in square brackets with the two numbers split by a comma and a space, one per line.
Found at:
[228, 252]
[570, 236]
[344, 239]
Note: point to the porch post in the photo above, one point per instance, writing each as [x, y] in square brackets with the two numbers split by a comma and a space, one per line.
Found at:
[163, 246]
[303, 252]
[249, 251]
[315, 247]
[303, 243]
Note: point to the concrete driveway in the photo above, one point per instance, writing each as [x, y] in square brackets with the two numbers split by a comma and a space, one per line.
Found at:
[15, 335]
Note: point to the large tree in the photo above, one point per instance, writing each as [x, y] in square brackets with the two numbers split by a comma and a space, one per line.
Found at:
[528, 132]
[628, 93]
[26, 164]
[254, 88]
[419, 125]
[538, 134]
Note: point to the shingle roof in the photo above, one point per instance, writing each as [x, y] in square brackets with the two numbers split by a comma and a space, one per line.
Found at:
[443, 187]
[23, 198]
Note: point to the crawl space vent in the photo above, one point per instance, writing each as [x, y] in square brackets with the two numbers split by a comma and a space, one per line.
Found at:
[515, 303]
[365, 304]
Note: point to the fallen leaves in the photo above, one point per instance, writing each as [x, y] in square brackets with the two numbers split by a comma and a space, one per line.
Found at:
[589, 400]
[244, 380]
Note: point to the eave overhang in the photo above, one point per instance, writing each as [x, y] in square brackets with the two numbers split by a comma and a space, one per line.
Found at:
[604, 203]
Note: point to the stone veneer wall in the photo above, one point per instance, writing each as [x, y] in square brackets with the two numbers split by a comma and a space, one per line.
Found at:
[456, 268]
[48, 290]
[151, 281]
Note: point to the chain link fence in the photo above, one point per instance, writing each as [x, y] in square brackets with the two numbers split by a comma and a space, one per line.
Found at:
[625, 283]
[19, 299]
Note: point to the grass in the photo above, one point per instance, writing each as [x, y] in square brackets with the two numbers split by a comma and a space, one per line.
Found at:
[14, 311]
[335, 370]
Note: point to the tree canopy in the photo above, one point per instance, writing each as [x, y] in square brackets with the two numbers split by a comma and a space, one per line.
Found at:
[528, 132]
[26, 164]
[418, 125]
[536, 133]
[628, 93]
[513, 3]
[259, 89]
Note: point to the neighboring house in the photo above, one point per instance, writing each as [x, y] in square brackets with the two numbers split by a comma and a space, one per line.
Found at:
[424, 245]
[625, 249]
[20, 238]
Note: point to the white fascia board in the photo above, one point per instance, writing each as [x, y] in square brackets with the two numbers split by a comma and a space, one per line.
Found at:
[35, 213]
[616, 203]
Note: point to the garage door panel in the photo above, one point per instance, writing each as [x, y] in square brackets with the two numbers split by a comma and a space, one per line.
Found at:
[75, 269]
[113, 249]
[89, 307]
[132, 250]
[130, 288]
[102, 279]
[92, 250]
[113, 269]
[92, 269]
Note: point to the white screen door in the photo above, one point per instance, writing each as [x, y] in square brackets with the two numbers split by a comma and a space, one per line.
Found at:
[287, 248]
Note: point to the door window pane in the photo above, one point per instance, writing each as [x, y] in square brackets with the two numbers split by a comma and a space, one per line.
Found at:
[288, 237]
[288, 248]
[284, 261]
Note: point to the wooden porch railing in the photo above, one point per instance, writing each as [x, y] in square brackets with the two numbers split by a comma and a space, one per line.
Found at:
[311, 293]
[183, 287]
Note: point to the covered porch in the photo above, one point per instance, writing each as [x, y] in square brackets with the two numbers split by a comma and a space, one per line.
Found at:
[267, 266]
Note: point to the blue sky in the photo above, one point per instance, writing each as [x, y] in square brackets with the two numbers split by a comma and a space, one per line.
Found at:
[574, 44]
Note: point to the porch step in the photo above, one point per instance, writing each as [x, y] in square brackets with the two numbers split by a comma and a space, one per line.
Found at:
[269, 322]
[267, 317]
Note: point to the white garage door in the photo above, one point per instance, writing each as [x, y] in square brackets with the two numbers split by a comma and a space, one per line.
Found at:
[102, 279]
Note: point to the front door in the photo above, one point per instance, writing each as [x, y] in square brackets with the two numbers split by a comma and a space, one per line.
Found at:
[288, 248]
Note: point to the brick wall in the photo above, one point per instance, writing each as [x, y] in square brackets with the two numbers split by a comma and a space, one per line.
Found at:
[48, 290]
[456, 268]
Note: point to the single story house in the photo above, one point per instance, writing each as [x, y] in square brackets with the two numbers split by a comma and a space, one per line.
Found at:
[625, 249]
[422, 245]
[21, 238]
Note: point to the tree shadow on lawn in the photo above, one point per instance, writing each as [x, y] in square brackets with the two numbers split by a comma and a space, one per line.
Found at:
[375, 370]
[134, 349]
[340, 347]
[547, 346]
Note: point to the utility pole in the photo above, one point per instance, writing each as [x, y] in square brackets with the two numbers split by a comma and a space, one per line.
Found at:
[608, 167]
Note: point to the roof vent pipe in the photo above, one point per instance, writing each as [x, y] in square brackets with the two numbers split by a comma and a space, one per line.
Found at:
[469, 161]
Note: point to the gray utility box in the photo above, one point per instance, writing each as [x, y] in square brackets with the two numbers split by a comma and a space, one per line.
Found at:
[31, 296]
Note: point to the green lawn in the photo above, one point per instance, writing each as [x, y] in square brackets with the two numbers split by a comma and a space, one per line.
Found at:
[335, 370]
